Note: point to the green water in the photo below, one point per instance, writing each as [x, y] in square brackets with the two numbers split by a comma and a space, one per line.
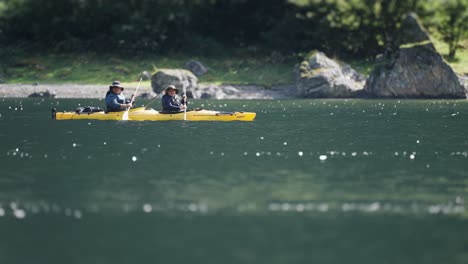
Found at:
[309, 181]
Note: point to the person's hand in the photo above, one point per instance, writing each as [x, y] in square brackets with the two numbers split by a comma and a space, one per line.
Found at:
[182, 107]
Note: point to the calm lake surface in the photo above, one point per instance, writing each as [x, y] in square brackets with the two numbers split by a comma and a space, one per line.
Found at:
[309, 181]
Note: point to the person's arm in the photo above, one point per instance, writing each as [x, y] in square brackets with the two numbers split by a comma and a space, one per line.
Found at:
[125, 106]
[179, 105]
[130, 103]
[112, 102]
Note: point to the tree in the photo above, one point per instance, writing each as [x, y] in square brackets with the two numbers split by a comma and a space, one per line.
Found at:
[358, 27]
[451, 19]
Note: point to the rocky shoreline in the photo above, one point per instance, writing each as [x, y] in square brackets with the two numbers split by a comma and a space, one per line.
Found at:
[203, 91]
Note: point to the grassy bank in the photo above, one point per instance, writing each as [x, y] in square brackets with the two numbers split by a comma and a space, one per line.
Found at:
[95, 68]
[460, 62]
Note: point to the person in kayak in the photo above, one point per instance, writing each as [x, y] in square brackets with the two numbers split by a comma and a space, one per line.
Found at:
[170, 104]
[115, 100]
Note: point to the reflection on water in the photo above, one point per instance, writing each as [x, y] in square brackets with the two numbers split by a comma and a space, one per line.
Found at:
[307, 181]
[21, 210]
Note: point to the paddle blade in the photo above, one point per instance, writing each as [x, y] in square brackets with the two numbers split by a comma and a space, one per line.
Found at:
[125, 116]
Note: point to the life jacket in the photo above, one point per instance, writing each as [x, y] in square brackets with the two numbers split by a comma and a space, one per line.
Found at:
[120, 100]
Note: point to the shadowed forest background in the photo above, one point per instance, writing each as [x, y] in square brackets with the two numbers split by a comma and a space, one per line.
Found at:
[280, 29]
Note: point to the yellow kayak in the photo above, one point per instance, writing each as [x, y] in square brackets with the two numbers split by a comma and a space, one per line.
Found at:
[142, 114]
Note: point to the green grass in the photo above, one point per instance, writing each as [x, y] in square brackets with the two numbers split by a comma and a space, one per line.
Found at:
[93, 68]
[460, 62]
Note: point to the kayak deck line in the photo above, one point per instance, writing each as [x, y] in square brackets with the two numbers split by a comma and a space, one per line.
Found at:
[142, 114]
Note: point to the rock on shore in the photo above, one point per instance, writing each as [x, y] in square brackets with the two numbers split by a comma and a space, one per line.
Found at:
[318, 76]
[202, 91]
[464, 82]
[212, 91]
[415, 70]
[177, 77]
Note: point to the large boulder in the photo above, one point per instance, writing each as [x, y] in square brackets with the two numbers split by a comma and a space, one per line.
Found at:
[415, 70]
[177, 77]
[196, 68]
[319, 76]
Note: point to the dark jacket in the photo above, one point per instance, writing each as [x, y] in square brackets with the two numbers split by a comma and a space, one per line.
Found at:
[113, 101]
[171, 104]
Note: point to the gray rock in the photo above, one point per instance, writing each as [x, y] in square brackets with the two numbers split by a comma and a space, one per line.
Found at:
[205, 96]
[45, 94]
[212, 91]
[464, 82]
[147, 95]
[196, 68]
[145, 76]
[177, 77]
[415, 70]
[318, 76]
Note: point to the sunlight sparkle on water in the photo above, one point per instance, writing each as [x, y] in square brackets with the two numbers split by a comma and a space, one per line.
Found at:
[147, 208]
[19, 213]
[77, 214]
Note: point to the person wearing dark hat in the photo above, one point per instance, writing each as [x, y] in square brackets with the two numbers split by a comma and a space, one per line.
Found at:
[115, 100]
[170, 104]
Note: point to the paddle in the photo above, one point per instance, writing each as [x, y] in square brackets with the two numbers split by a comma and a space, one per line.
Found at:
[125, 115]
[152, 100]
[185, 101]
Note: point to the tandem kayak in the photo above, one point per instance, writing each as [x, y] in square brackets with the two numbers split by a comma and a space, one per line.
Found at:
[142, 114]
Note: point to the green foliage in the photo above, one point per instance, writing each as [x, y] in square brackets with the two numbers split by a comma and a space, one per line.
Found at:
[451, 19]
[460, 62]
[360, 28]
